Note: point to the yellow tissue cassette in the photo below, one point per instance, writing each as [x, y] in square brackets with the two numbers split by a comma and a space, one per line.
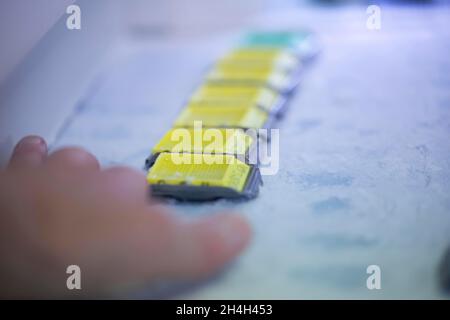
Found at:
[238, 96]
[279, 58]
[224, 117]
[277, 80]
[205, 140]
[198, 177]
[167, 170]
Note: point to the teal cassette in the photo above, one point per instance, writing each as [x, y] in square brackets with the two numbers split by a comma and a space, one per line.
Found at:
[302, 42]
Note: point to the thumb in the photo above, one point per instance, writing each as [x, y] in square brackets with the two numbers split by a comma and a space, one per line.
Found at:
[198, 249]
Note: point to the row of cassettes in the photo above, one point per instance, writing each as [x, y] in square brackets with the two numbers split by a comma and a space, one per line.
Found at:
[210, 151]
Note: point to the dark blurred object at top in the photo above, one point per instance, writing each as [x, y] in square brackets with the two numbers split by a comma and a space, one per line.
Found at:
[372, 2]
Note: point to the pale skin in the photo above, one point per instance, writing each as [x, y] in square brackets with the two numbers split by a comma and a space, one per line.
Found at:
[62, 209]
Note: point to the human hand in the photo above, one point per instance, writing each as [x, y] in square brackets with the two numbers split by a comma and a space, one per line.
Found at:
[61, 209]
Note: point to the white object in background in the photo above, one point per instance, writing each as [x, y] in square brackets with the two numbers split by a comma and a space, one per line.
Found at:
[22, 24]
[58, 65]
[190, 17]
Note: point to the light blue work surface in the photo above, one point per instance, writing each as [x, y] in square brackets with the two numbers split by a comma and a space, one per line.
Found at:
[364, 172]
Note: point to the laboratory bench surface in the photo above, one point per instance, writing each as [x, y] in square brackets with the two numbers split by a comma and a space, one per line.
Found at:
[364, 172]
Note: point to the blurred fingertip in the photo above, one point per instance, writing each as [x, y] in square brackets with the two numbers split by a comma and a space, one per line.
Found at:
[232, 228]
[29, 151]
[34, 142]
[69, 158]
